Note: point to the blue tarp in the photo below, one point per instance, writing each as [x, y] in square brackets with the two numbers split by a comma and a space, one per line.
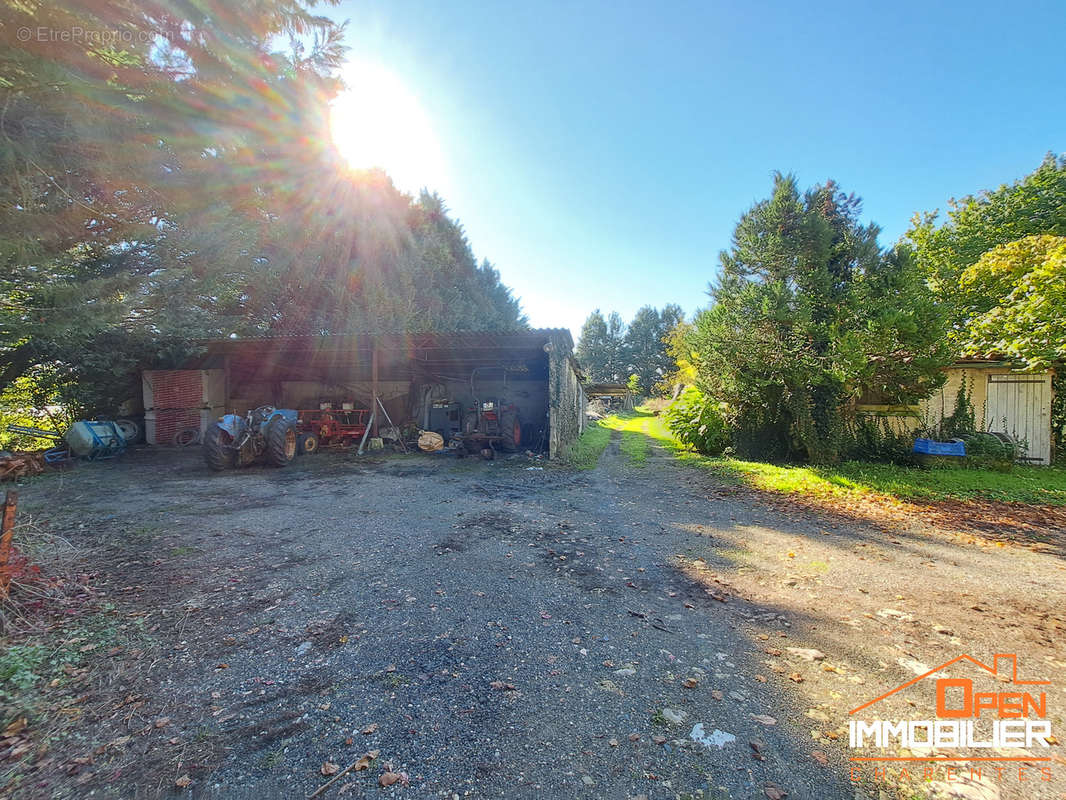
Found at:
[934, 448]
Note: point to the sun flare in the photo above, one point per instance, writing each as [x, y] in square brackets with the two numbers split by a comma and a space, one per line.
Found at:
[378, 122]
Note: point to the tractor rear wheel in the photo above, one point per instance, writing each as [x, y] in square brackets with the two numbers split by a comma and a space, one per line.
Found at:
[218, 450]
[307, 444]
[511, 431]
[280, 442]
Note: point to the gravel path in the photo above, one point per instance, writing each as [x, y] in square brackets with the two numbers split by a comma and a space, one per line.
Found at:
[506, 630]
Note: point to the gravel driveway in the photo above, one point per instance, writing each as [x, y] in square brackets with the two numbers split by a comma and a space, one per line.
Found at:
[499, 629]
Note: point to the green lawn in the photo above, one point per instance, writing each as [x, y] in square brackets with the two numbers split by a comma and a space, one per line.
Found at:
[1037, 485]
[636, 435]
[1044, 486]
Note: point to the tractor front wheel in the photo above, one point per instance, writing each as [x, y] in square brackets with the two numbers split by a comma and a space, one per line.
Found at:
[307, 444]
[218, 449]
[280, 442]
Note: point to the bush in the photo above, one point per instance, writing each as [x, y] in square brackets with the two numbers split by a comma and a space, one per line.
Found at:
[988, 451]
[697, 421]
[874, 439]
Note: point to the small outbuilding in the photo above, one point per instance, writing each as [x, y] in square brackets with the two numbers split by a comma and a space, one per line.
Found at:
[613, 395]
[428, 381]
[1004, 400]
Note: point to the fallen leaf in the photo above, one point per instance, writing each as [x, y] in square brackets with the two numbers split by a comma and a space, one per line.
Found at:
[690, 683]
[795, 676]
[775, 792]
[389, 778]
[390, 668]
[612, 742]
[764, 719]
[716, 694]
[760, 678]
[364, 762]
[634, 737]
[183, 781]
[329, 768]
[502, 685]
[162, 722]
[15, 727]
[659, 739]
[369, 729]
[820, 757]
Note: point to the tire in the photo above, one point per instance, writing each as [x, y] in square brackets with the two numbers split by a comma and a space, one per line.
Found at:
[307, 444]
[280, 442]
[511, 431]
[187, 437]
[129, 429]
[217, 451]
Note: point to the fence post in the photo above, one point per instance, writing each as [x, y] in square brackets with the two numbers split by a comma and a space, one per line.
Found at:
[7, 530]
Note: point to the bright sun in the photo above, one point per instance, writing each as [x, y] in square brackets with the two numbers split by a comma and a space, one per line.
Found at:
[378, 122]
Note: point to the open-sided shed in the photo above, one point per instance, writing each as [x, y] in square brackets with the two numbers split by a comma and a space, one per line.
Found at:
[431, 379]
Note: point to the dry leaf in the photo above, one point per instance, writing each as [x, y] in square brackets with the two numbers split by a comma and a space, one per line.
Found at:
[634, 737]
[795, 676]
[183, 781]
[716, 694]
[15, 727]
[389, 778]
[659, 739]
[612, 742]
[690, 683]
[162, 722]
[369, 729]
[502, 685]
[764, 719]
[820, 757]
[775, 792]
[364, 762]
[329, 768]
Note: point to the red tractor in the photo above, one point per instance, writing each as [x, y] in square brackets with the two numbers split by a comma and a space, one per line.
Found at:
[331, 426]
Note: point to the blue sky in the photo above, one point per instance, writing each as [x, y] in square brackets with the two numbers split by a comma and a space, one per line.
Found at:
[600, 153]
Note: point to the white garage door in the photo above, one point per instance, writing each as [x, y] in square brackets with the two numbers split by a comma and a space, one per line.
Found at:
[1021, 406]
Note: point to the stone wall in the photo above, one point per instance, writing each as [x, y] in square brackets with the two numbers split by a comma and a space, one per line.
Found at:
[566, 397]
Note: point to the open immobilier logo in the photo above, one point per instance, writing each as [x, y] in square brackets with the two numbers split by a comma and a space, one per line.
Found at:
[991, 725]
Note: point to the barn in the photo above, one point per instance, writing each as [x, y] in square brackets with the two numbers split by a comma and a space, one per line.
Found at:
[428, 381]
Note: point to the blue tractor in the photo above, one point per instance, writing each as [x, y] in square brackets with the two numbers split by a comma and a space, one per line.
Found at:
[266, 432]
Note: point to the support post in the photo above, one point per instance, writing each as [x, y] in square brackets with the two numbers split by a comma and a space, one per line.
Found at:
[374, 384]
[7, 530]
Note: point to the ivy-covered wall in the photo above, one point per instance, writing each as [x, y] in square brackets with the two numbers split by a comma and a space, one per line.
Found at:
[566, 397]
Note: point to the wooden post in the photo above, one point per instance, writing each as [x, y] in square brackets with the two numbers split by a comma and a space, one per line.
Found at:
[7, 530]
[374, 385]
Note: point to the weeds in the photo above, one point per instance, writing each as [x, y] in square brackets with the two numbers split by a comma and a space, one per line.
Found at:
[587, 450]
